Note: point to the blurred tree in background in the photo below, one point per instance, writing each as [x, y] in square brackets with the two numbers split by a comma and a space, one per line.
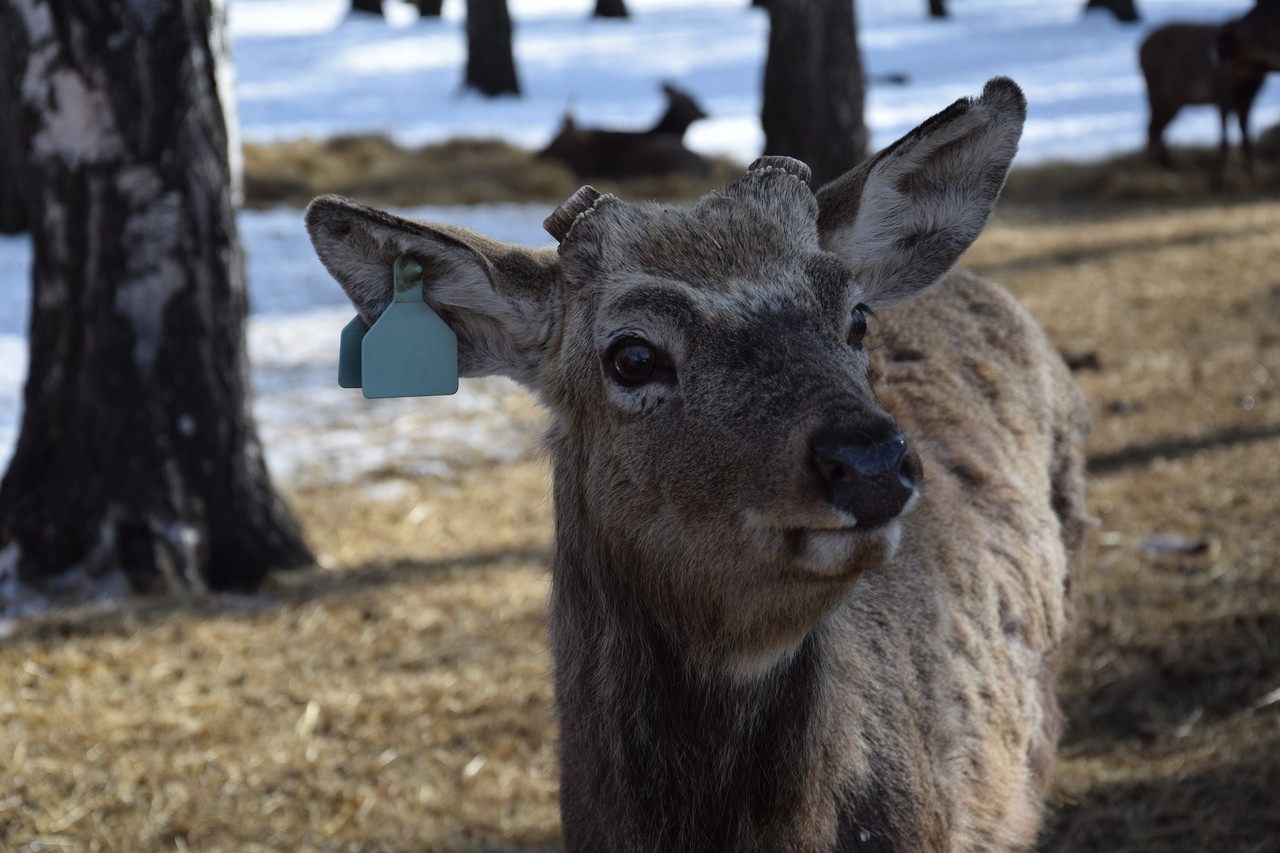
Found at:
[491, 65]
[137, 454]
[610, 9]
[367, 7]
[1123, 10]
[13, 190]
[813, 86]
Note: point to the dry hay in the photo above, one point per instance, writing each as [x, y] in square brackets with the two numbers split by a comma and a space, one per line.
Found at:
[374, 169]
[398, 699]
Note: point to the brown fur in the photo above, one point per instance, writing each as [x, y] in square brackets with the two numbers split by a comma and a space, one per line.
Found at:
[743, 660]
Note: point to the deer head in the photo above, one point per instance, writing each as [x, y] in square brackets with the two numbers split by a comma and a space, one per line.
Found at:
[720, 455]
[1251, 43]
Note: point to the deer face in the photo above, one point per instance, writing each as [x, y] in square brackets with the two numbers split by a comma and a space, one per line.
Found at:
[706, 365]
[719, 364]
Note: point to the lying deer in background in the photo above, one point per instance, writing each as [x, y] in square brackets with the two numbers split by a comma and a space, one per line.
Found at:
[660, 150]
[807, 589]
[1224, 65]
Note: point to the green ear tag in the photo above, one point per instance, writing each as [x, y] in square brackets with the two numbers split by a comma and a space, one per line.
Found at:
[349, 353]
[409, 352]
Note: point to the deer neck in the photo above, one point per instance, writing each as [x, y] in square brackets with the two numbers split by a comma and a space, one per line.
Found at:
[667, 755]
[673, 122]
[671, 758]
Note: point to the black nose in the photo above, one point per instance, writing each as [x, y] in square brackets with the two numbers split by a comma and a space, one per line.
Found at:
[868, 473]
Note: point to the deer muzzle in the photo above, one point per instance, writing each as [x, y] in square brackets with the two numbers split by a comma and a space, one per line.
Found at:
[868, 473]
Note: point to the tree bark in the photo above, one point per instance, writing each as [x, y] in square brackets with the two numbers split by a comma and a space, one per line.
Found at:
[430, 8]
[610, 9]
[367, 7]
[1125, 11]
[13, 184]
[813, 86]
[491, 65]
[137, 452]
[937, 9]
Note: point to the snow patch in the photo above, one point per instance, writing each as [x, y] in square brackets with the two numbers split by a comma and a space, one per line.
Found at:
[20, 601]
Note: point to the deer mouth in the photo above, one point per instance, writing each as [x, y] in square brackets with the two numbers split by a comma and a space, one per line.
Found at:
[821, 547]
[837, 553]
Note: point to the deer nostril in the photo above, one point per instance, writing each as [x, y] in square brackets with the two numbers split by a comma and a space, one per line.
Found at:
[840, 461]
[834, 471]
[868, 474]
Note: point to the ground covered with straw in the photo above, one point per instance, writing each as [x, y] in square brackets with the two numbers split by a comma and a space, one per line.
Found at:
[397, 696]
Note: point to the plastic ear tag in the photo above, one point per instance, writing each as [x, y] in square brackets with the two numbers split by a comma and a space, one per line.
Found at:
[349, 353]
[409, 351]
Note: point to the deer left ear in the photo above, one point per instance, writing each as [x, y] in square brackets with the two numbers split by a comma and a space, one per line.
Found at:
[494, 296]
[904, 216]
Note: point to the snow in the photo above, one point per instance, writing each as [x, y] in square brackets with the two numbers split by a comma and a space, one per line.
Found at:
[307, 70]
[304, 68]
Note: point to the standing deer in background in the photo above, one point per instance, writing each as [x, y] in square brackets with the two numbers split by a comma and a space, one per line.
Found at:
[807, 589]
[1224, 65]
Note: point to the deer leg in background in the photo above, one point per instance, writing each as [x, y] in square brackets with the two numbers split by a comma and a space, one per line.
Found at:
[1217, 178]
[1157, 152]
[1244, 95]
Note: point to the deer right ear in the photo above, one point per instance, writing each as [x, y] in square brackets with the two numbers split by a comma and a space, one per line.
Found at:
[905, 215]
[494, 296]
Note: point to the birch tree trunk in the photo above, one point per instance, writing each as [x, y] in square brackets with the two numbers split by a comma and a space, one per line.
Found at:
[813, 86]
[137, 454]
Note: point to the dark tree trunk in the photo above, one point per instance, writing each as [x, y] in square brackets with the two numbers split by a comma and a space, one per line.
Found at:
[610, 9]
[813, 87]
[430, 8]
[491, 66]
[137, 453]
[367, 7]
[1124, 10]
[13, 185]
[937, 9]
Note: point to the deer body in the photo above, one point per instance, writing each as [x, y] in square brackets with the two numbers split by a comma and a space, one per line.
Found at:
[1186, 64]
[660, 150]
[1181, 67]
[808, 580]
[928, 692]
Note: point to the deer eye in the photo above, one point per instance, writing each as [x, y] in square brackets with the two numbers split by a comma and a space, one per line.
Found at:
[635, 361]
[858, 325]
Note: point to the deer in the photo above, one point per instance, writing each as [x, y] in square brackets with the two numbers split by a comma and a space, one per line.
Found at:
[1225, 65]
[660, 150]
[817, 495]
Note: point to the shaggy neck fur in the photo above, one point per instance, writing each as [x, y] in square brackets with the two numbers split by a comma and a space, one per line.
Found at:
[662, 757]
